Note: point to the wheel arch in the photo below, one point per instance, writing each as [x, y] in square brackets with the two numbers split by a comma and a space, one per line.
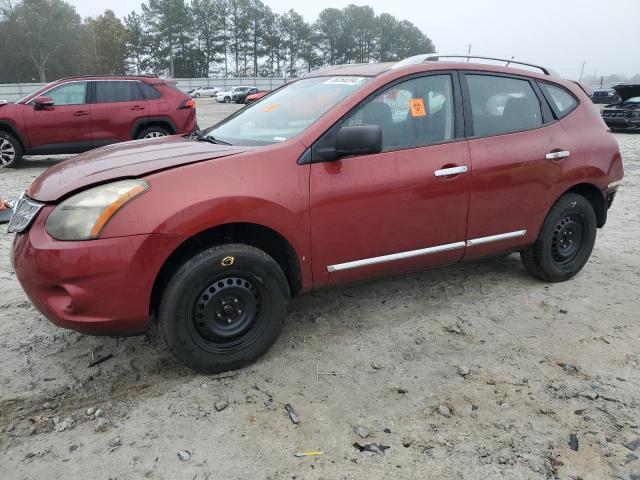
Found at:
[595, 197]
[256, 235]
[10, 128]
[143, 123]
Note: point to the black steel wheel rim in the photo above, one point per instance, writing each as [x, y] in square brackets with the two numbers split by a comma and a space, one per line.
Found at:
[228, 314]
[568, 239]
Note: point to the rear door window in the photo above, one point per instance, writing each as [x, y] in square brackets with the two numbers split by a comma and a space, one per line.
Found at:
[561, 101]
[502, 105]
[413, 113]
[118, 91]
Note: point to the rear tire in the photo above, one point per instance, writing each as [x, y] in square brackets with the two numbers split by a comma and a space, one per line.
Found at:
[565, 242]
[224, 308]
[10, 150]
[153, 132]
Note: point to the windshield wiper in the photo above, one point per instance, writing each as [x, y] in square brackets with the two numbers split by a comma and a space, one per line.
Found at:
[201, 137]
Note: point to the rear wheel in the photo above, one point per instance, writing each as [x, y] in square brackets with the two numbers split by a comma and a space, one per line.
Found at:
[224, 307]
[565, 241]
[10, 150]
[153, 132]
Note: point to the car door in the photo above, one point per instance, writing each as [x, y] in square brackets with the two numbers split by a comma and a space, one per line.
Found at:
[517, 153]
[64, 127]
[119, 106]
[404, 208]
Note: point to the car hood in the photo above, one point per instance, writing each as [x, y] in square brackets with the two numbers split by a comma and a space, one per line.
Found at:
[125, 160]
[627, 91]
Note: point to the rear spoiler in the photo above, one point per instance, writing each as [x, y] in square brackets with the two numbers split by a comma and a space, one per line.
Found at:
[585, 88]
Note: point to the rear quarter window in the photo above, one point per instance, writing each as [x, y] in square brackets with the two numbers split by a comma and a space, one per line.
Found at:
[151, 93]
[562, 102]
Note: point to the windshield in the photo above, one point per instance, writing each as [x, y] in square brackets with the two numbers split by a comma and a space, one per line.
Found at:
[287, 112]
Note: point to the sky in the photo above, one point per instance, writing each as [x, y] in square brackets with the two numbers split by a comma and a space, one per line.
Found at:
[560, 34]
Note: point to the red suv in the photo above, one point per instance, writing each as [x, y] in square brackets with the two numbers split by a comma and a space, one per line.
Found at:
[77, 114]
[349, 173]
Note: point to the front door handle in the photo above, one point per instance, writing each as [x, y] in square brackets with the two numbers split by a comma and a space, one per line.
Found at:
[445, 172]
[558, 154]
[80, 113]
[137, 107]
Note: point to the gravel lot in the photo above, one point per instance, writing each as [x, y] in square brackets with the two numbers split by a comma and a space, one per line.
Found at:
[471, 371]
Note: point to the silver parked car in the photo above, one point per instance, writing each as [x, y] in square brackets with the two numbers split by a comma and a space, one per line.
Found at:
[208, 91]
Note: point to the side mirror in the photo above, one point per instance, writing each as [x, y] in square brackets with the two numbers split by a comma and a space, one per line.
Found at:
[358, 140]
[43, 102]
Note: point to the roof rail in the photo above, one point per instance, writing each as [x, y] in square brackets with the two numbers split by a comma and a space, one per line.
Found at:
[434, 57]
[108, 75]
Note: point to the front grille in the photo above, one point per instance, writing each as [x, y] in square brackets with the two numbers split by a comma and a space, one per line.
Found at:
[24, 212]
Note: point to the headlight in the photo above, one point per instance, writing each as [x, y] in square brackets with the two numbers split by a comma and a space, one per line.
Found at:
[83, 216]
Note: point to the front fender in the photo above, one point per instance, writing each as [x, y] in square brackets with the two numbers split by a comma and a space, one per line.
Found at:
[270, 191]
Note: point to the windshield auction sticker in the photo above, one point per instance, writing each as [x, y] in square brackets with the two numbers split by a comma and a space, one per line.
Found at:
[417, 107]
[344, 81]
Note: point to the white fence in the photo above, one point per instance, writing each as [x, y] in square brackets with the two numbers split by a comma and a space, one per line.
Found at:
[15, 91]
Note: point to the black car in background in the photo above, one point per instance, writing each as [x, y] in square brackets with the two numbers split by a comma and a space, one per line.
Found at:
[605, 95]
[625, 114]
[240, 94]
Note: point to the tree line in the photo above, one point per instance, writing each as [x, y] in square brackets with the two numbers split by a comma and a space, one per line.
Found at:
[41, 40]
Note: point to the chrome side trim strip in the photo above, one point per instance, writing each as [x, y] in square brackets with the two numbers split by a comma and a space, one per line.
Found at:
[496, 238]
[394, 256]
[424, 251]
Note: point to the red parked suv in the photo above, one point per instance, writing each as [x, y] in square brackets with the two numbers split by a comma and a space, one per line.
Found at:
[349, 173]
[77, 114]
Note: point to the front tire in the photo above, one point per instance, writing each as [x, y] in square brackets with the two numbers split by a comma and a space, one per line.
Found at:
[224, 308]
[565, 242]
[227, 100]
[10, 150]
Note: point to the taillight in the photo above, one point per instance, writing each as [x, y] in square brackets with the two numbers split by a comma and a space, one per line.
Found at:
[188, 103]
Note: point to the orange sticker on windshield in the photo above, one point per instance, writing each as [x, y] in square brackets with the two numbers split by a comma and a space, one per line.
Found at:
[271, 108]
[417, 107]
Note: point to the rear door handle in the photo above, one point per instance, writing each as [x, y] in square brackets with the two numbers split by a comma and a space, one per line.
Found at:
[445, 172]
[137, 107]
[81, 113]
[558, 154]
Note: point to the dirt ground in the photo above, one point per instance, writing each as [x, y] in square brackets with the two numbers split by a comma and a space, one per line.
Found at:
[472, 371]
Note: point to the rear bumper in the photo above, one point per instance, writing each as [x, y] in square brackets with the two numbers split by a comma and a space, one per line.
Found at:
[100, 286]
[189, 123]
